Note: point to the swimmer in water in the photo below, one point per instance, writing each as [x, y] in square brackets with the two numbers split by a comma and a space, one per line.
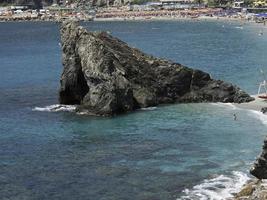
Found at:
[235, 117]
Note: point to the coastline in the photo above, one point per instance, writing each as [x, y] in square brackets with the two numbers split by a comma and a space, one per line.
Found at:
[132, 18]
[255, 105]
[143, 19]
[201, 18]
[254, 188]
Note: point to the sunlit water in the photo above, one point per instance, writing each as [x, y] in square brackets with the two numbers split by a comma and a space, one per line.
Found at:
[186, 151]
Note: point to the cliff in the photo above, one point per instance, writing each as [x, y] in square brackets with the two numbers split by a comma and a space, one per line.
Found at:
[104, 76]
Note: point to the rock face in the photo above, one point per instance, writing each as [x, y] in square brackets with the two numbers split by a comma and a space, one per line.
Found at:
[104, 76]
[257, 188]
[259, 169]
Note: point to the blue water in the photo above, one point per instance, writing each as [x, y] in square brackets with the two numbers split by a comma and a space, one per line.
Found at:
[168, 152]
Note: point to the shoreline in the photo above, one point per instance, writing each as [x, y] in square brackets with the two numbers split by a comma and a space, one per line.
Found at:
[255, 105]
[142, 19]
[254, 188]
[138, 18]
[171, 19]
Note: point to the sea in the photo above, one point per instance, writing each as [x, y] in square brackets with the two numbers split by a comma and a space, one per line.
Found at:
[168, 152]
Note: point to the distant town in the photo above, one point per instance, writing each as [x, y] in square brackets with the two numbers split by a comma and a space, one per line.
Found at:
[136, 10]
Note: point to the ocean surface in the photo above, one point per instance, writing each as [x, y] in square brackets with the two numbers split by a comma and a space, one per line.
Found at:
[171, 152]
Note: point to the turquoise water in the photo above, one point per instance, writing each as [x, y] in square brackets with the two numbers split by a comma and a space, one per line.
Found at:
[186, 151]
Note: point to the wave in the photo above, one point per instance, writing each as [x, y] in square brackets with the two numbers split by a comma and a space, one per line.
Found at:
[219, 188]
[56, 108]
[259, 115]
[228, 105]
[149, 108]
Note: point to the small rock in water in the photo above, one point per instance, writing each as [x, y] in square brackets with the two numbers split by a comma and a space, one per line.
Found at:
[264, 110]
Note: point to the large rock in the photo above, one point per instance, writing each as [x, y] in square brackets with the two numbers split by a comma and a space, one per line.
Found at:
[104, 76]
[259, 169]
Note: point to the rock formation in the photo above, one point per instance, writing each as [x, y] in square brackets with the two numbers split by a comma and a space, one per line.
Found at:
[104, 76]
[259, 169]
[256, 189]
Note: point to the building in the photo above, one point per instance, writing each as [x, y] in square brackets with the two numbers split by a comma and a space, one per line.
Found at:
[238, 4]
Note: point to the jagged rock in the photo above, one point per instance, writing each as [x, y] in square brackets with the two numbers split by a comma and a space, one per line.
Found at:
[104, 76]
[259, 169]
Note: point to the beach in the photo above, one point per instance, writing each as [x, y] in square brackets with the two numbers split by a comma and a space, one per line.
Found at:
[124, 13]
[256, 105]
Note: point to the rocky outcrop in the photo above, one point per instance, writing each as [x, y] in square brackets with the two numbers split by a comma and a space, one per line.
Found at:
[256, 189]
[259, 169]
[104, 76]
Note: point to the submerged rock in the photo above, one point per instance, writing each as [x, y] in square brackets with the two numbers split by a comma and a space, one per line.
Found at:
[104, 76]
[259, 169]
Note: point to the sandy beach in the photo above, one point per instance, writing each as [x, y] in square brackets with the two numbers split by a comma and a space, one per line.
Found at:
[256, 105]
[201, 18]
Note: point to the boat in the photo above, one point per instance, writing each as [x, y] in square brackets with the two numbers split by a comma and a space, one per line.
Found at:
[263, 96]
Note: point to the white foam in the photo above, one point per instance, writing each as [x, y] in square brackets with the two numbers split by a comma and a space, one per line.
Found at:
[262, 117]
[219, 188]
[228, 105]
[149, 108]
[256, 114]
[56, 108]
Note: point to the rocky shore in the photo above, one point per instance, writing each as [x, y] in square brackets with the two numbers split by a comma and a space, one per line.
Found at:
[257, 188]
[253, 190]
[104, 76]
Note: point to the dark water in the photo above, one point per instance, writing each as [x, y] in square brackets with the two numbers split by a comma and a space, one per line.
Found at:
[187, 151]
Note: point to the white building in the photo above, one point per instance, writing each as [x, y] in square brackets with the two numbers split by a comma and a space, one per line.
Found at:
[238, 4]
